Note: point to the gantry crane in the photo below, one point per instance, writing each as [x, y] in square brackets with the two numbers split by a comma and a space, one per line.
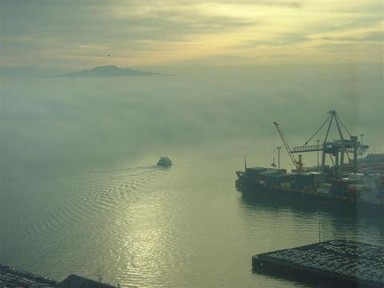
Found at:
[337, 149]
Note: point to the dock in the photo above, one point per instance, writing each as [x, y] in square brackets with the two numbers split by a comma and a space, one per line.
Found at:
[338, 263]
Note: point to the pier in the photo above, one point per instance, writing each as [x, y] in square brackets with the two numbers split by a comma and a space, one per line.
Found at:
[339, 263]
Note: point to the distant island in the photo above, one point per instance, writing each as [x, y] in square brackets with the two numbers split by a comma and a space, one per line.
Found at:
[109, 71]
[99, 71]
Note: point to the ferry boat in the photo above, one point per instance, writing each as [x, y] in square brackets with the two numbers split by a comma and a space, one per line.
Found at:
[164, 162]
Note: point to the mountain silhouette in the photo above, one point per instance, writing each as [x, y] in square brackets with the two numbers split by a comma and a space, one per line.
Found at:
[109, 71]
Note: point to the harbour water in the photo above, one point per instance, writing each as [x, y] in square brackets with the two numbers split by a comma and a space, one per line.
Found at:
[80, 191]
[144, 226]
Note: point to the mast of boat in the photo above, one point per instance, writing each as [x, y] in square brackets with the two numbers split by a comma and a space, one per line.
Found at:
[245, 162]
[278, 156]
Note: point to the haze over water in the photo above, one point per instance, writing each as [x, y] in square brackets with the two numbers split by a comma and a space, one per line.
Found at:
[79, 189]
[80, 192]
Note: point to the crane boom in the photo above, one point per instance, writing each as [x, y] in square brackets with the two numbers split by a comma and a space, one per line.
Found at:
[297, 164]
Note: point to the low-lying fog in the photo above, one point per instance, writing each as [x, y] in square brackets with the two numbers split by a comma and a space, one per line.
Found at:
[63, 124]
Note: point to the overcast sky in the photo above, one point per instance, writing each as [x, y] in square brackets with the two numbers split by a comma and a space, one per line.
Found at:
[78, 34]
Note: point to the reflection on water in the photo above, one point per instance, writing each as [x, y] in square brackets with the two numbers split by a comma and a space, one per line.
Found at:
[147, 227]
[336, 220]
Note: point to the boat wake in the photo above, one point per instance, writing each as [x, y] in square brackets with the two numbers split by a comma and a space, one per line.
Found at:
[75, 202]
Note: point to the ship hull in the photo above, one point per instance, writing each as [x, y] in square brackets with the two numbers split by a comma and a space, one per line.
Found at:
[251, 186]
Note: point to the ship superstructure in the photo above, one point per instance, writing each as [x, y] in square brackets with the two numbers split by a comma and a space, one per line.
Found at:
[164, 162]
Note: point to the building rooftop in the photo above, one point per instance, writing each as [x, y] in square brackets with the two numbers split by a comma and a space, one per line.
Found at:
[11, 277]
[75, 281]
[348, 261]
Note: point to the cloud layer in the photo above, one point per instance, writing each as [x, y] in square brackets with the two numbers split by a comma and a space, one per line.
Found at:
[81, 34]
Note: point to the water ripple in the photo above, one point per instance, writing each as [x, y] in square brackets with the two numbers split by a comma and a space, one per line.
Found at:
[89, 197]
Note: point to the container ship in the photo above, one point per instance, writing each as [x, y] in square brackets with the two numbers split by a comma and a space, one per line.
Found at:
[348, 178]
